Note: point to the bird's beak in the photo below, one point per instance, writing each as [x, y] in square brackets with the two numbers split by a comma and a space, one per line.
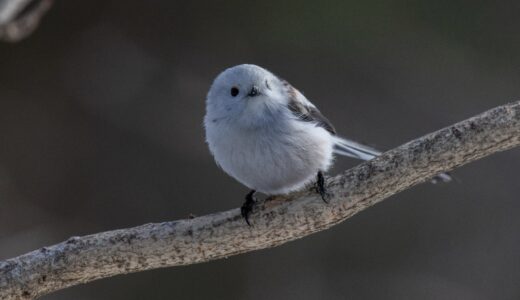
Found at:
[254, 91]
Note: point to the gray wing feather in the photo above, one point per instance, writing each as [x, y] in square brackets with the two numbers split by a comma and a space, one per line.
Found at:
[307, 112]
[304, 112]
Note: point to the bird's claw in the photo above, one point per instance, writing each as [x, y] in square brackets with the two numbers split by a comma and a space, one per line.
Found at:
[320, 187]
[247, 207]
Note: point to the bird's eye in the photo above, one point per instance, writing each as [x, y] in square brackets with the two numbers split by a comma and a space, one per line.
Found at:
[267, 84]
[234, 91]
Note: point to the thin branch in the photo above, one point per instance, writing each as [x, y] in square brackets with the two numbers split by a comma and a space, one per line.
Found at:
[275, 221]
[18, 19]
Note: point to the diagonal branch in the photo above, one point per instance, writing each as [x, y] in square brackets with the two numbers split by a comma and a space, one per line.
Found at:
[275, 221]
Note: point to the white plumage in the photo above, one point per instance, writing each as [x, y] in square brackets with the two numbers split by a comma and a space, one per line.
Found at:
[275, 157]
[267, 135]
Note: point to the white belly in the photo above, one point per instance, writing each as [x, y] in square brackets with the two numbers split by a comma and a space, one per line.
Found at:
[272, 161]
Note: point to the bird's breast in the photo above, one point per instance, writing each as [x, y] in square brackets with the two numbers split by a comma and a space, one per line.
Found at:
[272, 160]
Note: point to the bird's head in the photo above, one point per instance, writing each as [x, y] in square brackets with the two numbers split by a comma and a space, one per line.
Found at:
[246, 94]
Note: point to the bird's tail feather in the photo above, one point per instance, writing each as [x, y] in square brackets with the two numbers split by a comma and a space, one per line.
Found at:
[350, 148]
[353, 149]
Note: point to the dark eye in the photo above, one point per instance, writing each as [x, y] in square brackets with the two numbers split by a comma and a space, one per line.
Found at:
[234, 91]
[267, 84]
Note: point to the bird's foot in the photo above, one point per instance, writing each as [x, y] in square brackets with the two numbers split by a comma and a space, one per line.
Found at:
[247, 207]
[320, 187]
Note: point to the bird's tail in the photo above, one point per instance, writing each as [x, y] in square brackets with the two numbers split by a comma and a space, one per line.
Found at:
[353, 149]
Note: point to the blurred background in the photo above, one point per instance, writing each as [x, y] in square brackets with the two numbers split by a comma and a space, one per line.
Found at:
[101, 128]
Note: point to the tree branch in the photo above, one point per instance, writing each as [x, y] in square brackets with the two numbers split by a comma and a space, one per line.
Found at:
[19, 18]
[275, 221]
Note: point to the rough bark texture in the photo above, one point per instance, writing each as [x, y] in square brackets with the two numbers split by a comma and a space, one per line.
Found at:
[19, 18]
[275, 221]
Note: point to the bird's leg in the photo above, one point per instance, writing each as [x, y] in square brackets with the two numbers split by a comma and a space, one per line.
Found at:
[320, 186]
[247, 207]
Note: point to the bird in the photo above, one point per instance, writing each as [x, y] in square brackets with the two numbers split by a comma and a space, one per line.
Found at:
[268, 136]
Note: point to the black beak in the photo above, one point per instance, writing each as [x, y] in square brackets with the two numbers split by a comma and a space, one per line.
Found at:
[254, 91]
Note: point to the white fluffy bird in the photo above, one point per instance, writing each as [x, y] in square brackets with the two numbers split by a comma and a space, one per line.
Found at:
[268, 136]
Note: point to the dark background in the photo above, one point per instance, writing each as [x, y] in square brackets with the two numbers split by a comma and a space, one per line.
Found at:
[101, 128]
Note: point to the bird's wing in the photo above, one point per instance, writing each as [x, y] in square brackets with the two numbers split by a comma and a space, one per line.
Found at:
[304, 110]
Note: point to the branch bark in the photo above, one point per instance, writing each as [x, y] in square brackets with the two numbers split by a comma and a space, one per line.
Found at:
[275, 221]
[19, 18]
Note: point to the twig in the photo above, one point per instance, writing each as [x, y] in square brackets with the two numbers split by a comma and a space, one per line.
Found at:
[15, 24]
[275, 221]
